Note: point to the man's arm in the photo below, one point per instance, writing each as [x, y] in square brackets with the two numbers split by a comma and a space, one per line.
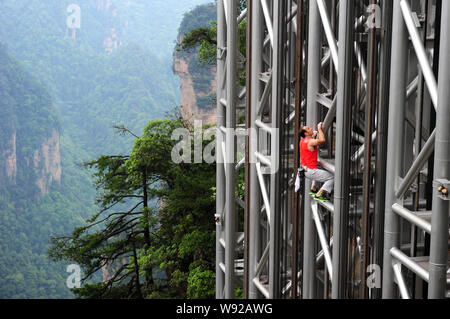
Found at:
[319, 140]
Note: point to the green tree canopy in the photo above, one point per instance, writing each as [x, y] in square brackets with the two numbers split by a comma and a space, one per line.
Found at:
[154, 232]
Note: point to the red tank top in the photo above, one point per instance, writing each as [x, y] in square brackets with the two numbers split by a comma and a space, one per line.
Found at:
[308, 158]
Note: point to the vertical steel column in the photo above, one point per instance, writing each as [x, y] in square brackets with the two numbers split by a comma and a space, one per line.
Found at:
[367, 180]
[275, 207]
[313, 82]
[220, 173]
[397, 101]
[343, 136]
[439, 221]
[230, 181]
[419, 107]
[382, 123]
[255, 202]
[432, 126]
[298, 110]
[247, 280]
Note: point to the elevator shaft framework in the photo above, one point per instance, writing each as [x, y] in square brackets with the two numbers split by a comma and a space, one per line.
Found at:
[376, 73]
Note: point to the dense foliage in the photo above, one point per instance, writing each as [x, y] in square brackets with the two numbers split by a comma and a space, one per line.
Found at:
[155, 251]
[162, 252]
[26, 221]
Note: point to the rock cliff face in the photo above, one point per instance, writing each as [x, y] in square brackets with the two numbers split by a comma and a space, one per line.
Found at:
[9, 155]
[47, 163]
[189, 96]
[198, 82]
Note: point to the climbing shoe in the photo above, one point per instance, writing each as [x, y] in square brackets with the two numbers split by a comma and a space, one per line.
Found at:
[324, 197]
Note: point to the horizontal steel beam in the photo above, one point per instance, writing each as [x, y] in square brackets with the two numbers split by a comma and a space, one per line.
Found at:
[412, 217]
[409, 263]
[261, 288]
[263, 126]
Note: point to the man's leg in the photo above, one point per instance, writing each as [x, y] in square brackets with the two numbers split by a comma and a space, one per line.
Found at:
[328, 185]
[322, 176]
[314, 187]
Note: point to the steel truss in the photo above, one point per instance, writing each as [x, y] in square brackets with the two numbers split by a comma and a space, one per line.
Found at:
[375, 72]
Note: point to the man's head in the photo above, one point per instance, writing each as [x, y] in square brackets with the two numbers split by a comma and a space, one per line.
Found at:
[306, 131]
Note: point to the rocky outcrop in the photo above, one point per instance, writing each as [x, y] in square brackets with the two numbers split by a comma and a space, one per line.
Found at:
[189, 97]
[198, 81]
[47, 163]
[9, 155]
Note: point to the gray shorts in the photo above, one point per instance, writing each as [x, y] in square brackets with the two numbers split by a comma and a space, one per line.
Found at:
[321, 176]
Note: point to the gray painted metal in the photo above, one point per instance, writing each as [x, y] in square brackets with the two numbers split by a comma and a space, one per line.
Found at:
[412, 217]
[275, 207]
[441, 207]
[343, 135]
[395, 142]
[220, 174]
[230, 180]
[396, 87]
[400, 280]
[428, 74]
[313, 82]
[408, 262]
[255, 201]
[418, 164]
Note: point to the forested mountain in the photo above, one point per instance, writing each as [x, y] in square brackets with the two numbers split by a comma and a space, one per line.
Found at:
[62, 91]
[88, 75]
[30, 184]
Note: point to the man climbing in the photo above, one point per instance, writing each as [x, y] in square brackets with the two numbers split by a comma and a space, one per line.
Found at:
[309, 149]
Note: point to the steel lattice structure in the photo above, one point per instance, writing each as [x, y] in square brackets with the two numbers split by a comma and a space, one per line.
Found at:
[376, 73]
